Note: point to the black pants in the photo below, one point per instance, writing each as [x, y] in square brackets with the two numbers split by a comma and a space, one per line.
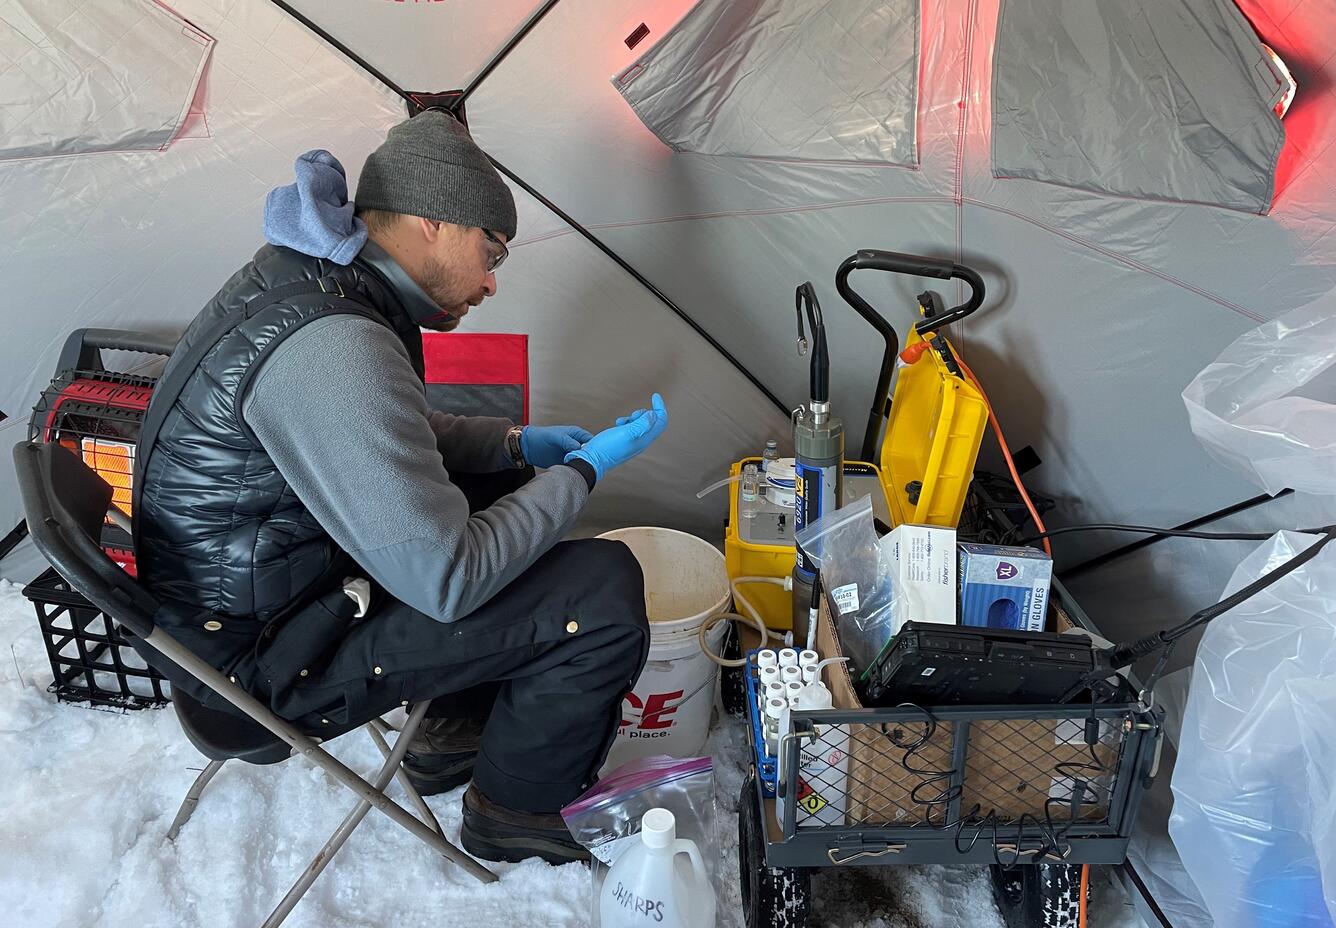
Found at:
[547, 661]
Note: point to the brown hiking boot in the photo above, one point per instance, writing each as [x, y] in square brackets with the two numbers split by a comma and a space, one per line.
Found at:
[493, 832]
[442, 753]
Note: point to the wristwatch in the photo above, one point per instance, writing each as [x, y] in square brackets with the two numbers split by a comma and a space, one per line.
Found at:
[513, 446]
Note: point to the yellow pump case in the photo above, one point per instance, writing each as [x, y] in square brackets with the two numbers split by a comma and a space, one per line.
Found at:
[745, 559]
[933, 436]
[742, 559]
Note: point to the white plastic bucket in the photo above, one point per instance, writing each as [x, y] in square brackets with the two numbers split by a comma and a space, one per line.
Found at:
[668, 711]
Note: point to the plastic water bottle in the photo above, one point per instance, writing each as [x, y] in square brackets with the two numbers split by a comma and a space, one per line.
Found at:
[822, 790]
[749, 492]
[660, 882]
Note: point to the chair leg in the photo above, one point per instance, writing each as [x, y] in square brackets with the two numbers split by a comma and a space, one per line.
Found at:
[192, 798]
[377, 730]
[354, 817]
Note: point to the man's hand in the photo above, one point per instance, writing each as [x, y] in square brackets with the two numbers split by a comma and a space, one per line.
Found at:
[631, 435]
[548, 445]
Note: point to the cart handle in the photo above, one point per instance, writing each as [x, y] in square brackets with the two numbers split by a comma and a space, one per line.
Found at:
[895, 262]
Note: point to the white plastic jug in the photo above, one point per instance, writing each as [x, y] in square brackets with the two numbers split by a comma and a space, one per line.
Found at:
[823, 765]
[660, 882]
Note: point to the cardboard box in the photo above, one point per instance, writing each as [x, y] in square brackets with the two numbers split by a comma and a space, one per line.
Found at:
[1012, 767]
[923, 565]
[1004, 587]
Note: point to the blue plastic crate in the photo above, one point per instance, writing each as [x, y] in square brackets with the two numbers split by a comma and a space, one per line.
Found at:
[766, 767]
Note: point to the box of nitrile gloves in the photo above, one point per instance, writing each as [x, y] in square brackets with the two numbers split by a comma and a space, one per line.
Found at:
[1002, 587]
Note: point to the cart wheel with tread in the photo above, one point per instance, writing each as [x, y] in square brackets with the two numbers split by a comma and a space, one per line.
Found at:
[772, 897]
[1039, 895]
[732, 684]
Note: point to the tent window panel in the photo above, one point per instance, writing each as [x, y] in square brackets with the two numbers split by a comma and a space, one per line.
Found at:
[95, 75]
[809, 81]
[1139, 98]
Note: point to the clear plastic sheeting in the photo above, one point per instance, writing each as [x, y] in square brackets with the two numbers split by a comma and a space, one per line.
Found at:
[1252, 816]
[1139, 98]
[1265, 408]
[777, 79]
[95, 75]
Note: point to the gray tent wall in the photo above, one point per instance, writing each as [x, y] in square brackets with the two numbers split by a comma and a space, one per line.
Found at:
[1101, 308]
[149, 237]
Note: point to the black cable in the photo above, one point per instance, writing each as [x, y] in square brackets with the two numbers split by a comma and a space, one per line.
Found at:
[1122, 551]
[1170, 532]
[500, 56]
[929, 776]
[347, 52]
[1126, 654]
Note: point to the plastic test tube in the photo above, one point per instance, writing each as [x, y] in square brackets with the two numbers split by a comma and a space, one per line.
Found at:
[788, 658]
[791, 691]
[774, 708]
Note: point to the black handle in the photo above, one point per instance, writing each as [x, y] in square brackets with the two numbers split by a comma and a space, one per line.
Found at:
[805, 296]
[896, 262]
[83, 348]
[888, 335]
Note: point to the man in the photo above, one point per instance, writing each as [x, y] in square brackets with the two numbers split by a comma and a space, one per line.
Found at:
[289, 453]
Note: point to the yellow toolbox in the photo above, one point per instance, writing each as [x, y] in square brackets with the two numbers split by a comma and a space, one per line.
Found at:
[936, 416]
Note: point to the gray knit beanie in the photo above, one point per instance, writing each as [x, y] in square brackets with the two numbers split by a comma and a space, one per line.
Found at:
[429, 166]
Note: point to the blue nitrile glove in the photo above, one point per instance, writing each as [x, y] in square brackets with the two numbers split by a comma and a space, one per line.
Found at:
[548, 445]
[631, 435]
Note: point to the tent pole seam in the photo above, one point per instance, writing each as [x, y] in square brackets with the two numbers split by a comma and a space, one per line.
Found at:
[501, 55]
[344, 49]
[644, 282]
[617, 259]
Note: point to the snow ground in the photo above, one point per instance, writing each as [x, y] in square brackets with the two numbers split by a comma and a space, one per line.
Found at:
[89, 795]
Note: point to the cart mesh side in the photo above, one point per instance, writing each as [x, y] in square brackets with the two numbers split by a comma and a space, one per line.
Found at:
[934, 772]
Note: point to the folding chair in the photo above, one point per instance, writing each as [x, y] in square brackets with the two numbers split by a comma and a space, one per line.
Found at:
[66, 503]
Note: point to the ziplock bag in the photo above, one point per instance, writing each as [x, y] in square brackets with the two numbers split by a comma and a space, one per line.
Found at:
[606, 819]
[856, 572]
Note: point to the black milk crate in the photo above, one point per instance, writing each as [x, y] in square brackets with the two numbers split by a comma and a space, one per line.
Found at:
[90, 658]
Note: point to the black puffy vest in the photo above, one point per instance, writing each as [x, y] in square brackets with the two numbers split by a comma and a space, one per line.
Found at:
[217, 528]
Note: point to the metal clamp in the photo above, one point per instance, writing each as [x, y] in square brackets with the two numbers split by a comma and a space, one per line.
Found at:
[783, 766]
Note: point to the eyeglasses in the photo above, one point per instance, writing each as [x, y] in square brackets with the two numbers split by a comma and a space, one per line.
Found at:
[497, 257]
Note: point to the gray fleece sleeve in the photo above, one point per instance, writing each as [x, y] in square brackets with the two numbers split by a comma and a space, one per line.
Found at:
[338, 408]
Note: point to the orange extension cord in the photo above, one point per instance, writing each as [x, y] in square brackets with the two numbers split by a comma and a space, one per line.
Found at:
[1034, 514]
[910, 356]
[1006, 453]
[1085, 885]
